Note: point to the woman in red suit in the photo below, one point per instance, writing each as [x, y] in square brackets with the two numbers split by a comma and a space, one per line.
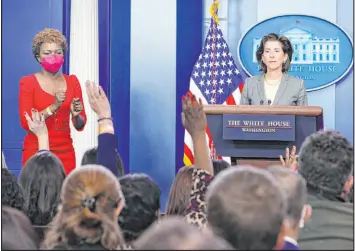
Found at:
[56, 95]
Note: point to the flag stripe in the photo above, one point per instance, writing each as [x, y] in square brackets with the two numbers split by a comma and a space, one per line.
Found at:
[189, 156]
[215, 79]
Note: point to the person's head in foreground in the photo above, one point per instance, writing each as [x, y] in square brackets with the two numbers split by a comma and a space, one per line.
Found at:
[91, 200]
[326, 161]
[41, 180]
[17, 232]
[174, 233]
[246, 207]
[295, 189]
[90, 157]
[142, 196]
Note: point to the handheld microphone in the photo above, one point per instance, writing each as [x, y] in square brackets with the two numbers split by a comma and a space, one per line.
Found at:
[269, 102]
[261, 102]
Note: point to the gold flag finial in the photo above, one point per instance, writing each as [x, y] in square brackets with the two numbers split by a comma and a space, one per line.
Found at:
[213, 10]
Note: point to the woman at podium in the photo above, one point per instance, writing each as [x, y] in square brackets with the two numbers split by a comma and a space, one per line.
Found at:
[274, 86]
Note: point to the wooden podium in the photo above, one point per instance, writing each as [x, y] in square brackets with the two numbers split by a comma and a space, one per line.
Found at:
[247, 147]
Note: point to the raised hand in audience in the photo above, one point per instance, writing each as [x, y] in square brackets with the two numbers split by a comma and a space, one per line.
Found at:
[98, 100]
[107, 140]
[291, 159]
[193, 117]
[194, 120]
[37, 125]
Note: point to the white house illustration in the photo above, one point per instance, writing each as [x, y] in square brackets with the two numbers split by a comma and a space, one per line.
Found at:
[307, 48]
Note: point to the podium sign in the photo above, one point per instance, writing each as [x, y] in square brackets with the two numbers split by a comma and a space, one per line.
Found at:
[259, 127]
[260, 132]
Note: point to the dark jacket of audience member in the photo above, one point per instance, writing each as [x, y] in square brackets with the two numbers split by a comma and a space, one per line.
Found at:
[17, 231]
[326, 162]
[142, 196]
[11, 192]
[41, 180]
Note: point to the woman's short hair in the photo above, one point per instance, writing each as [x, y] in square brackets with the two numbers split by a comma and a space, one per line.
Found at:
[286, 47]
[87, 212]
[41, 180]
[48, 36]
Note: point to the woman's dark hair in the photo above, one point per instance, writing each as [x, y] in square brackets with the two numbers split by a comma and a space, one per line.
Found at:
[90, 198]
[286, 47]
[90, 157]
[48, 36]
[142, 196]
[219, 165]
[179, 197]
[41, 180]
[11, 192]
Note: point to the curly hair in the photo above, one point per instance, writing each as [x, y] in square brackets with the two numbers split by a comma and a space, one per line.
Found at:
[326, 161]
[48, 36]
[11, 192]
[142, 197]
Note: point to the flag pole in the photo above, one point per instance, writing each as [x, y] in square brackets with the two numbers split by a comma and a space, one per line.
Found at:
[214, 19]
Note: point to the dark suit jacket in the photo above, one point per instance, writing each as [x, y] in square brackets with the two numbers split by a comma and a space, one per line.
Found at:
[107, 152]
[290, 246]
[331, 226]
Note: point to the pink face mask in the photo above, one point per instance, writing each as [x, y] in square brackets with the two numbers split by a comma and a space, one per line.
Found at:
[52, 63]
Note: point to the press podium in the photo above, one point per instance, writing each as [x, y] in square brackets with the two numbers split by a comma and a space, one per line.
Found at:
[258, 135]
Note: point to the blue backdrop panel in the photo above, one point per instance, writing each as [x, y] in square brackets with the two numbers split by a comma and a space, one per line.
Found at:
[119, 66]
[153, 91]
[189, 30]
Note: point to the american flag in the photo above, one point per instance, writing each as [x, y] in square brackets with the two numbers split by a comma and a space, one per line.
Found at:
[216, 80]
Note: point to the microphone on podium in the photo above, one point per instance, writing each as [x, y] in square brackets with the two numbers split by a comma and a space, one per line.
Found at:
[269, 102]
[261, 102]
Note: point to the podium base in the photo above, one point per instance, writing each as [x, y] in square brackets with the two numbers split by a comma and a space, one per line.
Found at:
[261, 163]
